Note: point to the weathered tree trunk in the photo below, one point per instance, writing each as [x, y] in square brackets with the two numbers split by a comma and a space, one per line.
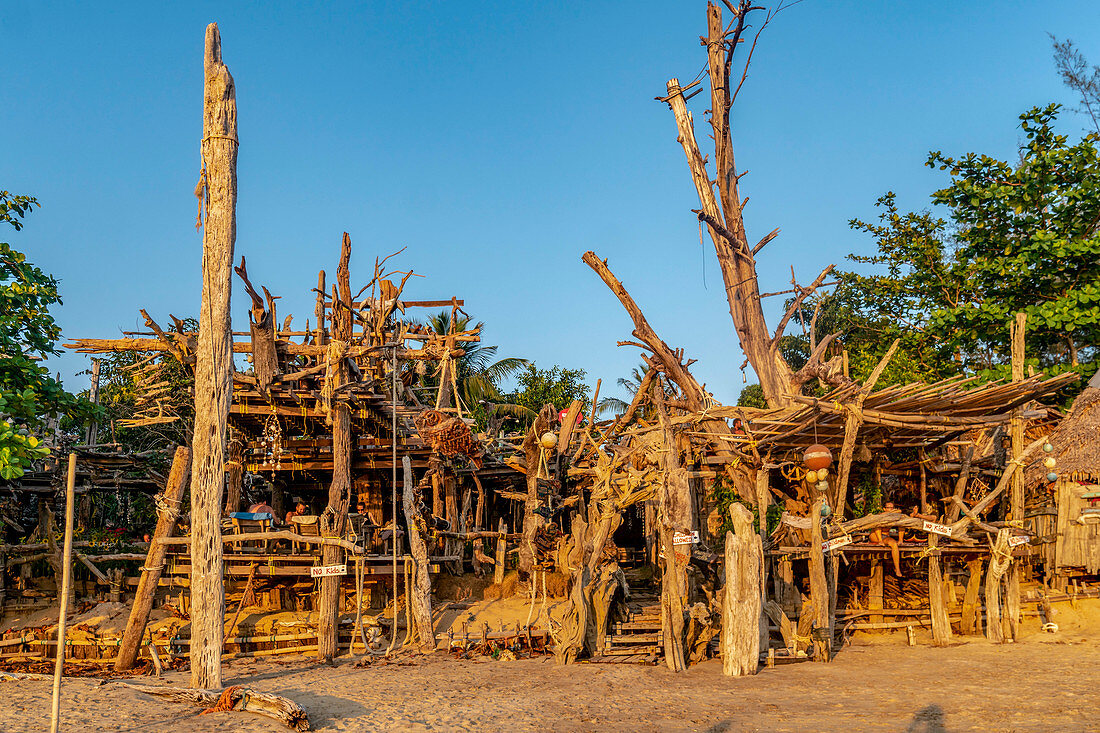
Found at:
[334, 518]
[234, 475]
[999, 560]
[154, 562]
[675, 513]
[421, 590]
[262, 326]
[741, 600]
[874, 595]
[971, 622]
[532, 522]
[1016, 434]
[213, 366]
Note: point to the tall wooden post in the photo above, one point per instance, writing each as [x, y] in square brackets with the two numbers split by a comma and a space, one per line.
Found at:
[335, 516]
[91, 436]
[154, 561]
[213, 365]
[819, 586]
[421, 590]
[1016, 435]
[66, 583]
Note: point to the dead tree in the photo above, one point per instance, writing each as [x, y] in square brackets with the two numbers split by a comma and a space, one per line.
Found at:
[213, 364]
[421, 590]
[261, 324]
[722, 213]
[334, 518]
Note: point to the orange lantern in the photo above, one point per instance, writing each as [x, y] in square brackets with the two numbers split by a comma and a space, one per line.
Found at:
[817, 457]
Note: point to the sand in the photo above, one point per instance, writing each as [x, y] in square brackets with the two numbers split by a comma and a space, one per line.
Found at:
[1046, 682]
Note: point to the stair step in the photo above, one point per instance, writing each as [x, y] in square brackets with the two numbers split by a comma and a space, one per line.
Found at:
[638, 625]
[624, 639]
[629, 650]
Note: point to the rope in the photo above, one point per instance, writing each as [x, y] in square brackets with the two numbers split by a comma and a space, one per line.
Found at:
[225, 702]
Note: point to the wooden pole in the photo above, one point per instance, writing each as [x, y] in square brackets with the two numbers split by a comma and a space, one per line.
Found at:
[1016, 435]
[941, 623]
[874, 595]
[154, 562]
[502, 544]
[213, 365]
[971, 622]
[334, 518]
[819, 587]
[91, 436]
[66, 582]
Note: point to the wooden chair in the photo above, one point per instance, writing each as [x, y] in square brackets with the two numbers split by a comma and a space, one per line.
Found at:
[250, 523]
[307, 525]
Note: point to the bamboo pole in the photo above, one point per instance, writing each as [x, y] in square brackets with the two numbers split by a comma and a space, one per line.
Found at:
[66, 582]
[154, 563]
[213, 364]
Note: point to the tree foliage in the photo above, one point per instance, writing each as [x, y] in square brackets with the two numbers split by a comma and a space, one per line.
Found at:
[29, 396]
[556, 386]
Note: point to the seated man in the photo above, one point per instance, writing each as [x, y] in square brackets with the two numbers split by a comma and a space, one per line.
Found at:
[262, 507]
[299, 510]
[891, 536]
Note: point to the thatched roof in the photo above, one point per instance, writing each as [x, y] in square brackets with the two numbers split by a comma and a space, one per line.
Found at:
[1077, 440]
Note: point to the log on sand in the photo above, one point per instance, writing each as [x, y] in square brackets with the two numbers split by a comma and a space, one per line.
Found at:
[236, 697]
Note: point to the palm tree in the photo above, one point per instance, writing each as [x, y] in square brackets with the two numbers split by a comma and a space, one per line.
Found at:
[477, 375]
[630, 385]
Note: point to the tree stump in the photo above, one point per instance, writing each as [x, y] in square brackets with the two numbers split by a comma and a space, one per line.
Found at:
[741, 600]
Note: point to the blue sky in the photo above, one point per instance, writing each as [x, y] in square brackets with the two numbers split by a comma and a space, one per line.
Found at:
[498, 141]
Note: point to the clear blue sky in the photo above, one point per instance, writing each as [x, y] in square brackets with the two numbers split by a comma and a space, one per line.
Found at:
[498, 141]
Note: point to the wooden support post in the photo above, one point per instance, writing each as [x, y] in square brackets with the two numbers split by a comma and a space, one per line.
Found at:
[533, 521]
[91, 436]
[742, 607]
[675, 514]
[874, 594]
[999, 561]
[1016, 435]
[66, 582]
[213, 365]
[971, 622]
[502, 545]
[334, 518]
[819, 588]
[941, 623]
[421, 589]
[154, 561]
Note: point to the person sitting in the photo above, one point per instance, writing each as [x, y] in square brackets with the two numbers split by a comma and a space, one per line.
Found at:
[891, 536]
[262, 507]
[299, 510]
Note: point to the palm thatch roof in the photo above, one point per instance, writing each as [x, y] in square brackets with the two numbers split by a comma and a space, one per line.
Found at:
[1077, 440]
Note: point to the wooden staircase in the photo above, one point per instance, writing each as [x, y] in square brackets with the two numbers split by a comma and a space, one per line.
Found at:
[637, 638]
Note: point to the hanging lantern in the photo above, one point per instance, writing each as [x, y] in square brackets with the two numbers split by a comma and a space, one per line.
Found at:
[1048, 447]
[1052, 477]
[1049, 462]
[811, 477]
[822, 474]
[549, 440]
[817, 456]
[826, 511]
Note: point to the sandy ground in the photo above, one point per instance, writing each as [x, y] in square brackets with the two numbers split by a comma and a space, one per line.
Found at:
[1045, 683]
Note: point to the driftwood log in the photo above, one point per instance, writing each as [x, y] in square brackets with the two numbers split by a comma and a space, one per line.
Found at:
[999, 560]
[283, 709]
[533, 521]
[741, 599]
[421, 590]
[213, 365]
[154, 562]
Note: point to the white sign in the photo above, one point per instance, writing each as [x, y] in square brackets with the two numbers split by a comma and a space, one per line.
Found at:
[940, 529]
[1018, 540]
[685, 538]
[838, 542]
[327, 570]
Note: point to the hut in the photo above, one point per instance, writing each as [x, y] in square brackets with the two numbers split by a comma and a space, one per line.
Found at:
[1071, 515]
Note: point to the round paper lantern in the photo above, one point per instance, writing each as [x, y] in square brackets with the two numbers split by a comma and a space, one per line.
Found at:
[549, 440]
[822, 474]
[817, 456]
[1052, 477]
[811, 477]
[1049, 462]
[1048, 447]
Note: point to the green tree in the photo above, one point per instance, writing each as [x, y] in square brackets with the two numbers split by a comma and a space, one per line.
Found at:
[1017, 237]
[556, 386]
[28, 333]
